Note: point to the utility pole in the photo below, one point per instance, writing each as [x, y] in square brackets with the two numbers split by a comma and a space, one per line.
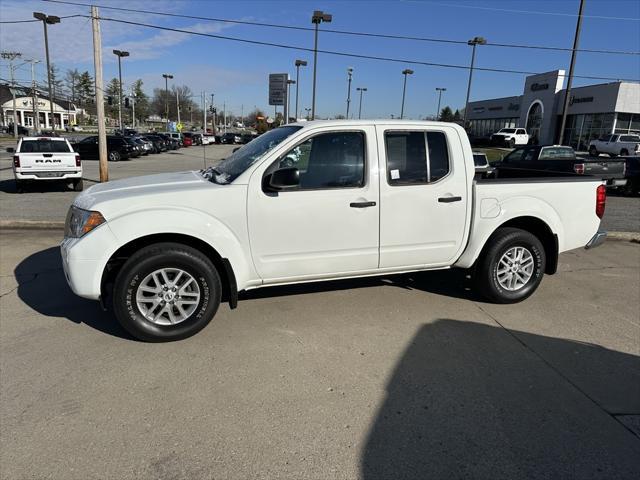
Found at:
[133, 108]
[473, 42]
[567, 94]
[204, 113]
[439, 90]
[48, 20]
[34, 93]
[317, 18]
[97, 63]
[224, 115]
[120, 54]
[178, 106]
[214, 120]
[288, 104]
[405, 72]
[166, 77]
[299, 63]
[361, 90]
[11, 56]
[350, 74]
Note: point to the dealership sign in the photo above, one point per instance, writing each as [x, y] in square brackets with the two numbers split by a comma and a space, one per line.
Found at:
[278, 88]
[539, 86]
[573, 100]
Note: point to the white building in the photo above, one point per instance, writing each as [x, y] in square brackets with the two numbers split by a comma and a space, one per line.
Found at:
[64, 112]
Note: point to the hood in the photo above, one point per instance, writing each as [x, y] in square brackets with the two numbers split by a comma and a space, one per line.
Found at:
[133, 188]
[498, 134]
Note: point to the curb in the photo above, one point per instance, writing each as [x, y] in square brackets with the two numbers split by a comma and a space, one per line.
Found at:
[628, 236]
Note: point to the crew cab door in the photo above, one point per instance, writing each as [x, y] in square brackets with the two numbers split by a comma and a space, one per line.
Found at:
[521, 136]
[328, 224]
[424, 196]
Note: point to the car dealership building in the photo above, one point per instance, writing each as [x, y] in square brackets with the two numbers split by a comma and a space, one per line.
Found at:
[594, 110]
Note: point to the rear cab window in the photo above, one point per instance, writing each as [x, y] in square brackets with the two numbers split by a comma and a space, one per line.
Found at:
[416, 157]
[44, 146]
[557, 153]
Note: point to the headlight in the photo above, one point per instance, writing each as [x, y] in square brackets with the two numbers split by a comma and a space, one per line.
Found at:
[80, 222]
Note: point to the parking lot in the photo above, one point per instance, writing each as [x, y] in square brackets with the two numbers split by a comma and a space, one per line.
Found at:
[401, 377]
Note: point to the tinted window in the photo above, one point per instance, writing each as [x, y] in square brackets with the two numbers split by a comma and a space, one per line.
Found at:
[508, 130]
[328, 160]
[558, 153]
[629, 138]
[416, 157]
[479, 160]
[520, 131]
[518, 155]
[89, 140]
[44, 146]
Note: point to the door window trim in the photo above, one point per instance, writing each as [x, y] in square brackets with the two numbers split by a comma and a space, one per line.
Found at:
[365, 170]
[428, 160]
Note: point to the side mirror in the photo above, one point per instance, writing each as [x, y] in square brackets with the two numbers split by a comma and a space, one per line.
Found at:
[285, 179]
[11, 150]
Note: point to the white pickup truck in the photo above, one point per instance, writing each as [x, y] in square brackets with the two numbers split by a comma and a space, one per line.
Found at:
[318, 201]
[46, 159]
[510, 137]
[614, 145]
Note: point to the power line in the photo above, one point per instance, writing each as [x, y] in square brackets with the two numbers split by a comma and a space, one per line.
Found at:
[346, 32]
[351, 55]
[36, 20]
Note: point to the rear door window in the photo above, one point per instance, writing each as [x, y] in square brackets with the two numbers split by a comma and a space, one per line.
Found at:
[44, 146]
[416, 157]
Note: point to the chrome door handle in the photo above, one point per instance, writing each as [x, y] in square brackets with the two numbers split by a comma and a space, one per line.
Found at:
[362, 204]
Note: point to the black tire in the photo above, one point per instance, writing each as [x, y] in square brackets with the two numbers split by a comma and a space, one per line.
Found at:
[150, 259]
[624, 152]
[78, 185]
[114, 156]
[593, 151]
[486, 278]
[512, 143]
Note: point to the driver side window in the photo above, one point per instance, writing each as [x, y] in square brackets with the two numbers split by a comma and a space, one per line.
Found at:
[328, 160]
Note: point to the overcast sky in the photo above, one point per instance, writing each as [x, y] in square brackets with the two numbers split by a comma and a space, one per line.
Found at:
[237, 72]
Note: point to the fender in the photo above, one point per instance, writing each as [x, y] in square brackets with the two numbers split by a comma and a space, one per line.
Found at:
[510, 209]
[189, 222]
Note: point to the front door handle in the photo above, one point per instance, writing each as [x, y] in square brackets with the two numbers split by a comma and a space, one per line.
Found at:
[362, 204]
[449, 199]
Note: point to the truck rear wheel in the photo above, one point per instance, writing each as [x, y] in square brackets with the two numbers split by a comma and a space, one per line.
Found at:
[511, 267]
[166, 292]
[593, 151]
[624, 152]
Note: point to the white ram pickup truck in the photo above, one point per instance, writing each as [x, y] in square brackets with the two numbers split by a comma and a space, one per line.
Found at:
[510, 137]
[317, 201]
[46, 159]
[614, 145]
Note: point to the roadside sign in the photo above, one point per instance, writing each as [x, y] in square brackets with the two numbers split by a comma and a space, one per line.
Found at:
[278, 88]
[179, 127]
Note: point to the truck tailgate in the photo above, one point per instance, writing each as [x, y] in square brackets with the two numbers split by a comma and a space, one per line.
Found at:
[43, 162]
[604, 169]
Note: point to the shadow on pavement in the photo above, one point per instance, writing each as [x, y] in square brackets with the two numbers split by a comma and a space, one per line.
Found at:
[467, 401]
[43, 287]
[9, 186]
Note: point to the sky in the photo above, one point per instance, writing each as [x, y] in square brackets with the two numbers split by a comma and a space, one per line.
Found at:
[237, 73]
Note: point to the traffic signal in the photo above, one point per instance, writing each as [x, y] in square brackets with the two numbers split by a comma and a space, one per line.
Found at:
[127, 103]
[110, 100]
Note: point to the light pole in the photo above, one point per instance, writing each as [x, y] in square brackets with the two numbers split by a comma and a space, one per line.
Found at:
[567, 92]
[350, 74]
[439, 90]
[120, 54]
[289, 83]
[317, 18]
[166, 77]
[473, 42]
[405, 72]
[48, 20]
[11, 56]
[299, 63]
[308, 110]
[361, 90]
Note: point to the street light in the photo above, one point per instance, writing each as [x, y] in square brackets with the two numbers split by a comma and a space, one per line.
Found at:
[405, 72]
[166, 77]
[48, 20]
[439, 90]
[308, 110]
[318, 17]
[361, 90]
[299, 63]
[473, 42]
[120, 54]
[289, 83]
[350, 74]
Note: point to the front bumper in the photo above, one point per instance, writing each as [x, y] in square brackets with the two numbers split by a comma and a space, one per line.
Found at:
[597, 240]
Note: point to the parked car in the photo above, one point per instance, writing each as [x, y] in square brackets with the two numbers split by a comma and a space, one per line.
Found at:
[73, 128]
[187, 141]
[247, 137]
[510, 137]
[146, 145]
[117, 148]
[614, 145]
[38, 159]
[21, 130]
[159, 143]
[162, 250]
[560, 159]
[137, 148]
[483, 168]
[177, 137]
[196, 138]
[231, 138]
[208, 139]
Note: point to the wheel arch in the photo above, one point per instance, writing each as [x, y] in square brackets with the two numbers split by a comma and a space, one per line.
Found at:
[120, 256]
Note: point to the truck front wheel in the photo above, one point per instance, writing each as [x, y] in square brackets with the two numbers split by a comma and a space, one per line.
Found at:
[511, 267]
[166, 292]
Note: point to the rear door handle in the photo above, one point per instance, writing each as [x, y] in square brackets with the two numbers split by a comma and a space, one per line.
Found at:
[449, 199]
[362, 204]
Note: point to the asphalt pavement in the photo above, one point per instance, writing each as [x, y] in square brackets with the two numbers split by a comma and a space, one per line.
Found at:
[402, 377]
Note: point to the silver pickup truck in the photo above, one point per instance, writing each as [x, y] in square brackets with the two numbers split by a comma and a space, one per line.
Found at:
[614, 145]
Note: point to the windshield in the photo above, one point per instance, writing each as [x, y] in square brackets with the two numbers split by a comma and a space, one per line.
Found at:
[508, 130]
[44, 146]
[229, 169]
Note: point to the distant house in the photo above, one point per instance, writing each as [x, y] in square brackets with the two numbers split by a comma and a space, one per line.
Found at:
[64, 112]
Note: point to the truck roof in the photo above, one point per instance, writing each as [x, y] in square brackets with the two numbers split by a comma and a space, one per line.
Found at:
[381, 121]
[61, 139]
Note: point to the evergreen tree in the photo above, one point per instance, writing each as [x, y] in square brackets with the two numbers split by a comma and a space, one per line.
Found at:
[456, 116]
[71, 79]
[141, 101]
[113, 91]
[446, 114]
[84, 89]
